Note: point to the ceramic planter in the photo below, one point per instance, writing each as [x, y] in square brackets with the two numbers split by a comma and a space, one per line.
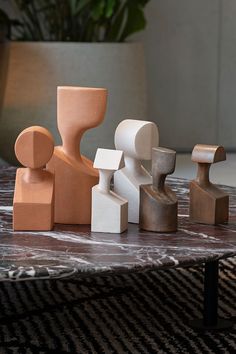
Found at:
[37, 68]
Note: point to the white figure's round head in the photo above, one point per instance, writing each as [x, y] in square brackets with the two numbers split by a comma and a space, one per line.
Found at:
[137, 138]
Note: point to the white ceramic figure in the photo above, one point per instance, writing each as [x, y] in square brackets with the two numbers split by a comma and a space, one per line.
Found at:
[109, 210]
[136, 138]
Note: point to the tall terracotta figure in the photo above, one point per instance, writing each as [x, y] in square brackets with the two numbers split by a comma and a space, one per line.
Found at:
[78, 109]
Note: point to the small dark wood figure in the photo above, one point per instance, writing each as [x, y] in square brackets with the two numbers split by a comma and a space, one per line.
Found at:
[158, 203]
[208, 204]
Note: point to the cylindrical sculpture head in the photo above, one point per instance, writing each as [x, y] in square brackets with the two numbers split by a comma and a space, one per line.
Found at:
[79, 108]
[136, 138]
[163, 161]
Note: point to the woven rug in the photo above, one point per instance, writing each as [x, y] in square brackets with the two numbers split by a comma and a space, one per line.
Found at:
[134, 313]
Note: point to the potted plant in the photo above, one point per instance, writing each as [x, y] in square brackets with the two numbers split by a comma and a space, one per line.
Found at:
[73, 42]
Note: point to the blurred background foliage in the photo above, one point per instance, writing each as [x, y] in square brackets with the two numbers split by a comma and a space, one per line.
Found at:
[75, 20]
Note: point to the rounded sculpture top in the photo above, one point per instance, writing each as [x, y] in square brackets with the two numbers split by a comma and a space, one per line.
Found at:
[34, 147]
[80, 108]
[137, 138]
[208, 153]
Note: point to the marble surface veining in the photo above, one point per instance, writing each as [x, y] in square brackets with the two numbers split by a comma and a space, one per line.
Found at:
[71, 250]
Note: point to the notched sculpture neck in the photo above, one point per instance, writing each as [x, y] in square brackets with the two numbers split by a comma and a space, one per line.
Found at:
[105, 180]
[203, 174]
[134, 166]
[159, 182]
[33, 175]
[71, 145]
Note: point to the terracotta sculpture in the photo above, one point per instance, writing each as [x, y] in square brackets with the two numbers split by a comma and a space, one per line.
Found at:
[158, 203]
[136, 138]
[208, 203]
[109, 211]
[78, 109]
[33, 205]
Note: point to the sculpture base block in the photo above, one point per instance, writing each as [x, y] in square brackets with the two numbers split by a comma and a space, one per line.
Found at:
[208, 205]
[33, 205]
[158, 211]
[109, 212]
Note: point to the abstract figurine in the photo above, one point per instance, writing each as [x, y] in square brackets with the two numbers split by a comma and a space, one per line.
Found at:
[78, 109]
[109, 211]
[158, 203]
[208, 203]
[33, 205]
[136, 138]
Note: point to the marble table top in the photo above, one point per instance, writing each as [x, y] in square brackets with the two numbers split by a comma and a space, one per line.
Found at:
[71, 250]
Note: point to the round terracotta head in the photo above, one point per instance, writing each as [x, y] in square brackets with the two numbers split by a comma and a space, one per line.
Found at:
[34, 147]
[137, 138]
[79, 108]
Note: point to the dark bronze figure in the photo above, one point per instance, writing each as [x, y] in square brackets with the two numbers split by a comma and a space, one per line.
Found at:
[208, 203]
[158, 203]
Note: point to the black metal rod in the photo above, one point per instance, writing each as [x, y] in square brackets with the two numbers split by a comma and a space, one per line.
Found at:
[210, 311]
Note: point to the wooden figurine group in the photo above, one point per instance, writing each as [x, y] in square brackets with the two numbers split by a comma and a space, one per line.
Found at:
[59, 185]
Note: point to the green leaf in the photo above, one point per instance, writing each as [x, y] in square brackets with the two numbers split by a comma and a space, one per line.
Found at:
[79, 20]
[135, 20]
[98, 9]
[78, 5]
[73, 6]
[116, 26]
[110, 6]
